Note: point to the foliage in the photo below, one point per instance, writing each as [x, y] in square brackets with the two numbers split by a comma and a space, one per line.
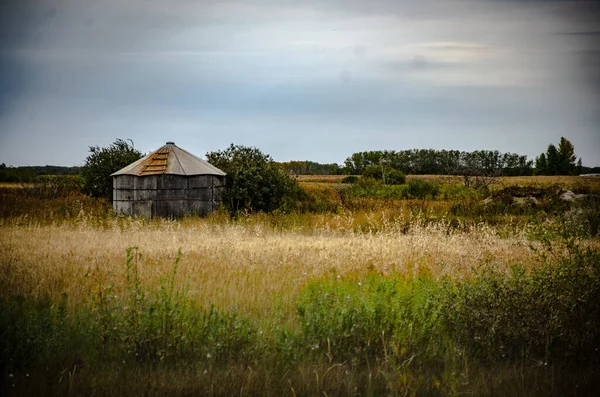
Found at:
[371, 188]
[421, 189]
[414, 189]
[480, 169]
[311, 168]
[102, 162]
[319, 199]
[441, 162]
[384, 173]
[163, 324]
[549, 314]
[395, 177]
[349, 179]
[558, 161]
[373, 171]
[30, 174]
[32, 330]
[255, 182]
[370, 316]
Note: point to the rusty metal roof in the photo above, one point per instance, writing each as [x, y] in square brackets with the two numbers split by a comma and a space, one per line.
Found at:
[171, 160]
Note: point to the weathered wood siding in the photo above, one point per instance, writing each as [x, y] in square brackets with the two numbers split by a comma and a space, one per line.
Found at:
[167, 195]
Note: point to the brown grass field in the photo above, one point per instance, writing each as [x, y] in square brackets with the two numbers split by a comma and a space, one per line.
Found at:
[242, 266]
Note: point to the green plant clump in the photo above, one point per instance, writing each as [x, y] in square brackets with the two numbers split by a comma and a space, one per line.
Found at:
[349, 179]
[551, 314]
[420, 189]
[255, 183]
[102, 162]
[373, 317]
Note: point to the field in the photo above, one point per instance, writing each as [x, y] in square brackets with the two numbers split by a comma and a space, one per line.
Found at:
[416, 290]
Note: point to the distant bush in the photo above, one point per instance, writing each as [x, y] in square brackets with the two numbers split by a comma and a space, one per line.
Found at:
[350, 179]
[373, 171]
[394, 177]
[421, 189]
[385, 173]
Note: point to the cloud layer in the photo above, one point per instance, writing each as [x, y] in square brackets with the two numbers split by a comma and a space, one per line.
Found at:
[314, 80]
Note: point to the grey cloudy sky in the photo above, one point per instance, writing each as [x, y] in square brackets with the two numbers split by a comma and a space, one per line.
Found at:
[302, 80]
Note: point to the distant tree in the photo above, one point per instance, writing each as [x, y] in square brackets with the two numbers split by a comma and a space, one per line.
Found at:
[541, 165]
[553, 160]
[357, 163]
[101, 162]
[567, 158]
[310, 168]
[558, 161]
[445, 162]
[255, 183]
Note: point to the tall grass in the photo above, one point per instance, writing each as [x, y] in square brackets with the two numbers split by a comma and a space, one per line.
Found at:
[360, 334]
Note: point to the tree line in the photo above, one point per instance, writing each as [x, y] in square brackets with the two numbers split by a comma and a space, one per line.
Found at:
[559, 160]
[556, 160]
[29, 174]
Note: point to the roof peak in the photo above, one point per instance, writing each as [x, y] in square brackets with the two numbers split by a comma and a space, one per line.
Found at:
[170, 159]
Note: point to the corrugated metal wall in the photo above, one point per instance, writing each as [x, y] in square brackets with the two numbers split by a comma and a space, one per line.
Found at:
[167, 195]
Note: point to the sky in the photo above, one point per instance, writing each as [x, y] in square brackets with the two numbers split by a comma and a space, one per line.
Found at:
[300, 79]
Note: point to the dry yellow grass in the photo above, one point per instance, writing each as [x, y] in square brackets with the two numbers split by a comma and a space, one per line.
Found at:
[249, 266]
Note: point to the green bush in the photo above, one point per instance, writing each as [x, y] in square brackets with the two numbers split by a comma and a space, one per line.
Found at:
[385, 173]
[551, 314]
[373, 171]
[350, 179]
[102, 162]
[255, 182]
[420, 189]
[395, 177]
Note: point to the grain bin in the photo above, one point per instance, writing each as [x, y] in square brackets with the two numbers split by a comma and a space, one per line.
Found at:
[169, 182]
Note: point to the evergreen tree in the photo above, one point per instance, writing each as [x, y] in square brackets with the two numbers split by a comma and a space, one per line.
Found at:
[541, 165]
[566, 157]
[558, 161]
[552, 159]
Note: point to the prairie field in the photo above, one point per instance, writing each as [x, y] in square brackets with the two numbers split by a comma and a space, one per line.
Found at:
[423, 290]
